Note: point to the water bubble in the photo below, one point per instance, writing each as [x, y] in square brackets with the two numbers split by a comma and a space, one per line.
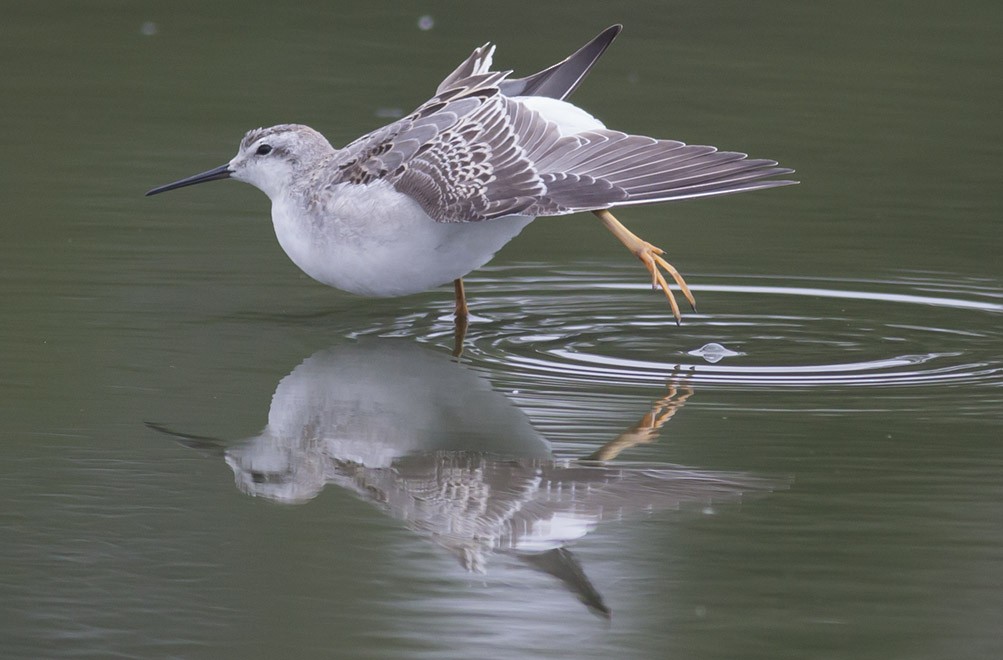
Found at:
[426, 23]
[148, 29]
[713, 352]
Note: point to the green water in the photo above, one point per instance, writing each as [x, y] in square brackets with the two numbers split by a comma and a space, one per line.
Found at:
[829, 488]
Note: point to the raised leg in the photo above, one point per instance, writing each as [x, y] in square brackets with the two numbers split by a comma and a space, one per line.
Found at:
[650, 256]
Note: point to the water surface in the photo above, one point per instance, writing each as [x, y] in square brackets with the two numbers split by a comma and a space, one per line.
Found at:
[207, 454]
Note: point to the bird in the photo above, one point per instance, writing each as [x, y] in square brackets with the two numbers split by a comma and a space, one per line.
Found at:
[432, 196]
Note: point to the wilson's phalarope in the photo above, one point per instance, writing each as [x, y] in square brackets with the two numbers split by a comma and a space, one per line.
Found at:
[433, 196]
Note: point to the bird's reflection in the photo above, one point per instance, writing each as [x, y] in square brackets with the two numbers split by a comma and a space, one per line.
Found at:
[428, 441]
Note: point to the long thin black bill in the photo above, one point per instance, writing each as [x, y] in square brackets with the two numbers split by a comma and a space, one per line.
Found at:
[221, 172]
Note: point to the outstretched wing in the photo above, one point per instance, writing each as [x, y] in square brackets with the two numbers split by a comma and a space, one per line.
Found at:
[475, 153]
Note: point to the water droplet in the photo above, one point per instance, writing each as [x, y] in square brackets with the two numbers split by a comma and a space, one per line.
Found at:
[148, 29]
[426, 23]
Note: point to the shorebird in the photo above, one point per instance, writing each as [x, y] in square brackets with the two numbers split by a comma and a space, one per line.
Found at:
[433, 196]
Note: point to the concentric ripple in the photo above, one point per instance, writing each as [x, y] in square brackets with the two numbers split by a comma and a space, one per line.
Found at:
[576, 328]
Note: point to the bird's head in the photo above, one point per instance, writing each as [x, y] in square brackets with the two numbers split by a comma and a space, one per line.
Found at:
[269, 159]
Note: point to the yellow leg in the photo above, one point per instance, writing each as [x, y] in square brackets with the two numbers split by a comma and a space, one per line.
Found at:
[650, 257]
[462, 314]
[461, 299]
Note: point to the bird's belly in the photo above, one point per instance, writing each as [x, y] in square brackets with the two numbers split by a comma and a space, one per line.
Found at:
[374, 241]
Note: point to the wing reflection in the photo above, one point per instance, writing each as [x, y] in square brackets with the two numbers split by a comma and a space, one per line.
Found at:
[429, 442]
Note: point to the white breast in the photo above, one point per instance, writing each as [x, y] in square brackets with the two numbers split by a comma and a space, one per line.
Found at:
[372, 240]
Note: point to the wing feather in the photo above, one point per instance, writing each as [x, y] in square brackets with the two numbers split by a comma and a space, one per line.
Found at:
[475, 152]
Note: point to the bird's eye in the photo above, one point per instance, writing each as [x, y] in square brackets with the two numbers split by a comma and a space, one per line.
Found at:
[264, 150]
